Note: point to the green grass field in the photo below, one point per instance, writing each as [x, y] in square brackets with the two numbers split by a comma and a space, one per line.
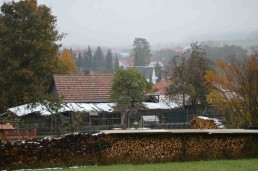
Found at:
[215, 165]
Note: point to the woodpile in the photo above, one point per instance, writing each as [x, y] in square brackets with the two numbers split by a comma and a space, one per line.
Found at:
[73, 148]
[204, 147]
[87, 149]
[150, 148]
[200, 122]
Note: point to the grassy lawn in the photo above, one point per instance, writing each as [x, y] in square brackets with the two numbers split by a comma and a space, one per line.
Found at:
[215, 165]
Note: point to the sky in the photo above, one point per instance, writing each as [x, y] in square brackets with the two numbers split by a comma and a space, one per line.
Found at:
[118, 22]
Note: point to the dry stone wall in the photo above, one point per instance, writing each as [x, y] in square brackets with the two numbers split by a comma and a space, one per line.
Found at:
[87, 149]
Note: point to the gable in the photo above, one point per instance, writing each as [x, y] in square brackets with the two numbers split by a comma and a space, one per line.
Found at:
[83, 88]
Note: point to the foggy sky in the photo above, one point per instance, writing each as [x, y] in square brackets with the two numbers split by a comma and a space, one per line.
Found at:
[118, 22]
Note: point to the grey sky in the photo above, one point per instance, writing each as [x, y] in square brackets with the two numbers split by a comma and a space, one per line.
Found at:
[118, 22]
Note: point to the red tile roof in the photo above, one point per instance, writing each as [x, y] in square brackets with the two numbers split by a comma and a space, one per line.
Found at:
[160, 87]
[86, 88]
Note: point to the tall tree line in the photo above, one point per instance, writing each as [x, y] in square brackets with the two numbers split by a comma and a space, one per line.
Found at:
[96, 60]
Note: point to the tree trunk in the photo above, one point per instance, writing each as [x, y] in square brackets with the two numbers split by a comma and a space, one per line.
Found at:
[123, 119]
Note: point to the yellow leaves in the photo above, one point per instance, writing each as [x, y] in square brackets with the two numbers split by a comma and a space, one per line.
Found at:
[234, 86]
[65, 63]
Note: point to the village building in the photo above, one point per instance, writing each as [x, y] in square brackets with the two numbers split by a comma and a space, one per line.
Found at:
[147, 71]
[86, 106]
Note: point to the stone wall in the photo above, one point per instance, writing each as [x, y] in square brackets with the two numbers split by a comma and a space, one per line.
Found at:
[87, 149]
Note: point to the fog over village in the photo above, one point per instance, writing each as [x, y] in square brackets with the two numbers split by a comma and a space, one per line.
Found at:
[164, 23]
[153, 84]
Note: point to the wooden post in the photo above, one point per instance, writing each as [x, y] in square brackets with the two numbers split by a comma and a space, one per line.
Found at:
[5, 136]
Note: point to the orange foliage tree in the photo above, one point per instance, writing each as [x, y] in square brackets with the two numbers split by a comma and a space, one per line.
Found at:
[65, 63]
[234, 88]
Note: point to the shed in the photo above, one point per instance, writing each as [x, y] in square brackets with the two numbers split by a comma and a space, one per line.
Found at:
[149, 121]
[3, 129]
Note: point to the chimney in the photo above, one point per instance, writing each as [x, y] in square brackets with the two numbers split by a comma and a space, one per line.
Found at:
[87, 72]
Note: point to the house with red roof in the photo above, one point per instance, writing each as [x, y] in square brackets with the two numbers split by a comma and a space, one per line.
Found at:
[82, 88]
[86, 106]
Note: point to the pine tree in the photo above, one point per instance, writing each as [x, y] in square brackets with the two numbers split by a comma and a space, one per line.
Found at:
[89, 58]
[79, 61]
[84, 60]
[99, 59]
[116, 63]
[158, 71]
[109, 61]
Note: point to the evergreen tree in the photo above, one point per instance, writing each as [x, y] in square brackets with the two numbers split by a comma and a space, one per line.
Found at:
[109, 61]
[79, 62]
[158, 71]
[89, 58]
[159, 75]
[28, 51]
[99, 59]
[73, 54]
[116, 63]
[84, 60]
[141, 52]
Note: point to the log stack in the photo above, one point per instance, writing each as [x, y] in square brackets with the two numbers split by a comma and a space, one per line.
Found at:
[86, 149]
[200, 122]
[138, 149]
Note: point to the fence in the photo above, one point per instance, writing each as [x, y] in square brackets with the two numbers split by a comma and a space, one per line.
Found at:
[19, 135]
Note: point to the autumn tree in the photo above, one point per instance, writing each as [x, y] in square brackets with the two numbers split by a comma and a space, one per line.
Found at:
[28, 51]
[187, 77]
[234, 88]
[141, 52]
[109, 61]
[128, 87]
[65, 63]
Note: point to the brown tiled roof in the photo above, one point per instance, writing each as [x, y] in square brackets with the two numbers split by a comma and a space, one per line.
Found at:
[160, 87]
[86, 88]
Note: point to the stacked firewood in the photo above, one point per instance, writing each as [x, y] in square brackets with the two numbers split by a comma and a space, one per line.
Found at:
[145, 149]
[199, 122]
[73, 147]
[85, 149]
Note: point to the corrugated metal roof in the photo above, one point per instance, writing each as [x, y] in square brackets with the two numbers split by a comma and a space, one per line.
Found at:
[83, 107]
[160, 105]
[28, 108]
